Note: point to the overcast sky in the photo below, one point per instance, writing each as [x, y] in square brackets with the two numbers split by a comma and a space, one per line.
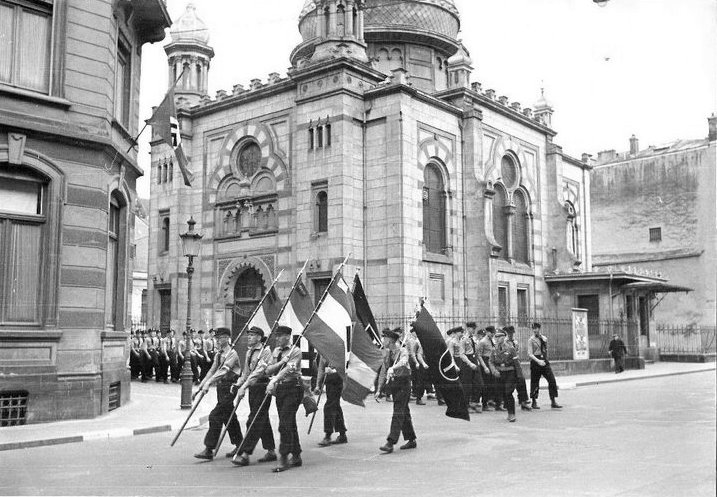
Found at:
[647, 67]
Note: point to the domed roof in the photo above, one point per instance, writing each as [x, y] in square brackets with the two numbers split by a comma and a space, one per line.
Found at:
[189, 28]
[310, 6]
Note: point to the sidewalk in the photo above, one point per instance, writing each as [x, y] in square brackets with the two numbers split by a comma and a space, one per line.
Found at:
[155, 408]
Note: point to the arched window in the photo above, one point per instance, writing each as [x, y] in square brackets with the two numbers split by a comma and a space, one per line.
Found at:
[327, 22]
[396, 61]
[500, 220]
[170, 171]
[572, 231]
[322, 212]
[249, 159]
[434, 210]
[341, 21]
[198, 70]
[521, 243]
[164, 240]
[114, 295]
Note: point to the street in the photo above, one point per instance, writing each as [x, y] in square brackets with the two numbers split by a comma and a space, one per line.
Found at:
[637, 438]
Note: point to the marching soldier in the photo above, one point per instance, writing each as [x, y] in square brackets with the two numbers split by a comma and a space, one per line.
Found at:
[503, 361]
[470, 344]
[224, 372]
[523, 398]
[465, 366]
[485, 350]
[333, 414]
[396, 373]
[419, 367]
[162, 359]
[254, 379]
[540, 366]
[287, 387]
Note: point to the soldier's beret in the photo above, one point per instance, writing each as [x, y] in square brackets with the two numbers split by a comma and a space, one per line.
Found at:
[499, 333]
[283, 330]
[223, 332]
[490, 329]
[388, 333]
[256, 331]
[454, 330]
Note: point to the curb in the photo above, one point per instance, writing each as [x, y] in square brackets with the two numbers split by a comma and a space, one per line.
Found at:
[657, 375]
[101, 435]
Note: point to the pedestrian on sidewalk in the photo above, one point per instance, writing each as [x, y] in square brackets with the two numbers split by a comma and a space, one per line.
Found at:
[618, 351]
[540, 366]
[224, 372]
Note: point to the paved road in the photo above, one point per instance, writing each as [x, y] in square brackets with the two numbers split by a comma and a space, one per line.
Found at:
[643, 438]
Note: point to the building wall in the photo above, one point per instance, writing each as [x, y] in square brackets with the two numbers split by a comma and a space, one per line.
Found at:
[67, 362]
[673, 191]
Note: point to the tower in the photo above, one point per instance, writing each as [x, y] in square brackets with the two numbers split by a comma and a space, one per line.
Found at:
[188, 56]
[543, 109]
[337, 27]
[459, 69]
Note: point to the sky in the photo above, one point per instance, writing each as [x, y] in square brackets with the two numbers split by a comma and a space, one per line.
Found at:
[643, 67]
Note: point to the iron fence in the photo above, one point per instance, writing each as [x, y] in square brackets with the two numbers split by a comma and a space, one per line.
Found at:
[686, 339]
[559, 332]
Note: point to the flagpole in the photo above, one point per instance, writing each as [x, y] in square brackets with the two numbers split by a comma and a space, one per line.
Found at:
[134, 140]
[261, 406]
[194, 408]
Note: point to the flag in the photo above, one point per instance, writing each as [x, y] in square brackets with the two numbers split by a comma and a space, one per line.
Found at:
[166, 126]
[441, 367]
[296, 314]
[363, 311]
[267, 313]
[330, 330]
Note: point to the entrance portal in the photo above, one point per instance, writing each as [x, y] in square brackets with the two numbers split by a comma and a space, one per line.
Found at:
[247, 293]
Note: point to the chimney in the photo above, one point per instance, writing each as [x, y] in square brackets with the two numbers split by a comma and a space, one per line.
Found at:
[605, 156]
[713, 127]
[634, 145]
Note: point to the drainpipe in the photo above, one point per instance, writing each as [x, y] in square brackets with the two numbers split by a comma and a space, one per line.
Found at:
[464, 229]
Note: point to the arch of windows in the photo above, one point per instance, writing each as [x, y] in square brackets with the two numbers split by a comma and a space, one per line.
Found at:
[511, 214]
[434, 210]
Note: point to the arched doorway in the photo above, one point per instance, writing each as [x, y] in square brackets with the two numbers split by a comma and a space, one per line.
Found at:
[248, 290]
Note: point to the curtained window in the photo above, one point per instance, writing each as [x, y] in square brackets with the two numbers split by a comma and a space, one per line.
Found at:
[434, 210]
[500, 220]
[22, 231]
[25, 36]
[520, 228]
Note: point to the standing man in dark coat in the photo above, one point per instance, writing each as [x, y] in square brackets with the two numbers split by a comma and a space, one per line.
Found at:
[224, 371]
[618, 351]
[396, 372]
[540, 366]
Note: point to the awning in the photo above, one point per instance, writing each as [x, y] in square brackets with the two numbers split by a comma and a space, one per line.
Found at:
[646, 286]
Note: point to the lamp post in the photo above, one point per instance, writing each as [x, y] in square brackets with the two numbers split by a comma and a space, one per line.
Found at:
[190, 248]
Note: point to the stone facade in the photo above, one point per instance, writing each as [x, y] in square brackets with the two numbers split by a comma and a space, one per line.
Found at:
[654, 209]
[375, 146]
[67, 186]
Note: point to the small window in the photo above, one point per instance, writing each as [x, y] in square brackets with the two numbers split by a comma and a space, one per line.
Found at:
[311, 138]
[114, 396]
[164, 233]
[522, 306]
[327, 130]
[503, 305]
[655, 234]
[13, 408]
[320, 136]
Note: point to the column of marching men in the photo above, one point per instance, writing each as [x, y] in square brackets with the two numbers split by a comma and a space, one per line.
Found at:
[487, 361]
[159, 356]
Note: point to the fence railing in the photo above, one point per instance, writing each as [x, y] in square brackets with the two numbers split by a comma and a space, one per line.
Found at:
[559, 332]
[689, 339]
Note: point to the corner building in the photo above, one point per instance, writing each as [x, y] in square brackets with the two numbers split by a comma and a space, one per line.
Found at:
[376, 144]
[69, 101]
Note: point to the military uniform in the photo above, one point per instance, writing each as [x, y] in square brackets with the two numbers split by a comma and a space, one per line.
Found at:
[163, 360]
[503, 360]
[523, 398]
[135, 360]
[418, 368]
[333, 414]
[456, 347]
[150, 357]
[538, 351]
[399, 385]
[224, 372]
[287, 387]
[484, 351]
[254, 379]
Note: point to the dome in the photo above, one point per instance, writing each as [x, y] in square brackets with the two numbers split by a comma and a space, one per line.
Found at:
[428, 22]
[189, 28]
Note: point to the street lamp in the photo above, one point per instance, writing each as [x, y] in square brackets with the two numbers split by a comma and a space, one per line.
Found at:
[190, 248]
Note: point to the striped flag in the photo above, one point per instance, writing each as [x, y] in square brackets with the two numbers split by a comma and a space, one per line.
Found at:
[330, 330]
[296, 314]
[266, 315]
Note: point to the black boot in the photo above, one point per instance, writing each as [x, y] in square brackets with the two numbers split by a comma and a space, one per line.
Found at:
[554, 404]
[535, 404]
[207, 454]
[283, 464]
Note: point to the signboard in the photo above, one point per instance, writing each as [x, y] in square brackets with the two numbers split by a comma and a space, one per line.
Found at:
[581, 348]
